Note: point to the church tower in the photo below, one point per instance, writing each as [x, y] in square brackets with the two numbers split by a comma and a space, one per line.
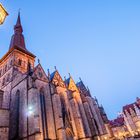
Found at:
[21, 55]
[17, 56]
[16, 59]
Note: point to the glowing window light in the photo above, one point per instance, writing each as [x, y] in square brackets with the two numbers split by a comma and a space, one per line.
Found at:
[3, 14]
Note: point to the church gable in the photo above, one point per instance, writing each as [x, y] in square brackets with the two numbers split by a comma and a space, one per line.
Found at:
[57, 80]
[72, 86]
[40, 73]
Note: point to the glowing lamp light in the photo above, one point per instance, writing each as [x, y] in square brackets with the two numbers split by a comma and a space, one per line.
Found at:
[30, 110]
[3, 14]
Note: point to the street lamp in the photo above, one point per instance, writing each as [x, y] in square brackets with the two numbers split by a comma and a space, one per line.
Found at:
[3, 14]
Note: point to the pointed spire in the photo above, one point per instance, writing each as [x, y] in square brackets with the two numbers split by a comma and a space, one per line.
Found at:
[80, 79]
[49, 74]
[18, 38]
[69, 75]
[38, 61]
[96, 100]
[65, 78]
[65, 81]
[55, 68]
[18, 26]
[88, 91]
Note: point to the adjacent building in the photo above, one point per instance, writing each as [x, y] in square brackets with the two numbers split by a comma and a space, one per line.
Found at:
[127, 125]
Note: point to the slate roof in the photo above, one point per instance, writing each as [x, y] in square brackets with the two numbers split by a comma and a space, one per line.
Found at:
[17, 40]
[83, 88]
[52, 75]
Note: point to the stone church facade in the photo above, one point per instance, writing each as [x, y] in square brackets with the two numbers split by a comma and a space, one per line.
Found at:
[39, 106]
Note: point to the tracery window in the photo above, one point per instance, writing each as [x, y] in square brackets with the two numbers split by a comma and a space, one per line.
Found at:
[43, 113]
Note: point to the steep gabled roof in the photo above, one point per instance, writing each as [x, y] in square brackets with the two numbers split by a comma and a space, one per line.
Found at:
[71, 84]
[40, 73]
[82, 88]
[56, 79]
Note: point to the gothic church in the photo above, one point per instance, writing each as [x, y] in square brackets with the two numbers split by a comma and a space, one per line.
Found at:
[39, 106]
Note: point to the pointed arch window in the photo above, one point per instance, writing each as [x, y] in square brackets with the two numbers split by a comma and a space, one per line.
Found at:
[3, 82]
[19, 62]
[17, 106]
[43, 113]
[14, 123]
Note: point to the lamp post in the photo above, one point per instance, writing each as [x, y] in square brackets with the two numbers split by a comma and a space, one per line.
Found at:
[3, 14]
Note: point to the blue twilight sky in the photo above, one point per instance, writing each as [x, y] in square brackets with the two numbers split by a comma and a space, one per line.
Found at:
[97, 40]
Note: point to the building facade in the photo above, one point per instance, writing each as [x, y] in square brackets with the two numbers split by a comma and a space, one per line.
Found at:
[39, 106]
[127, 125]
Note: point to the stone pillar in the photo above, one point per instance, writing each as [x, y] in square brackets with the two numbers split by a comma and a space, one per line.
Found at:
[71, 115]
[83, 116]
[61, 134]
[50, 114]
[90, 118]
[34, 118]
[66, 96]
[77, 118]
[95, 114]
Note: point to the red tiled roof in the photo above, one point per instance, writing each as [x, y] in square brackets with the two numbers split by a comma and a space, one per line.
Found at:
[117, 122]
